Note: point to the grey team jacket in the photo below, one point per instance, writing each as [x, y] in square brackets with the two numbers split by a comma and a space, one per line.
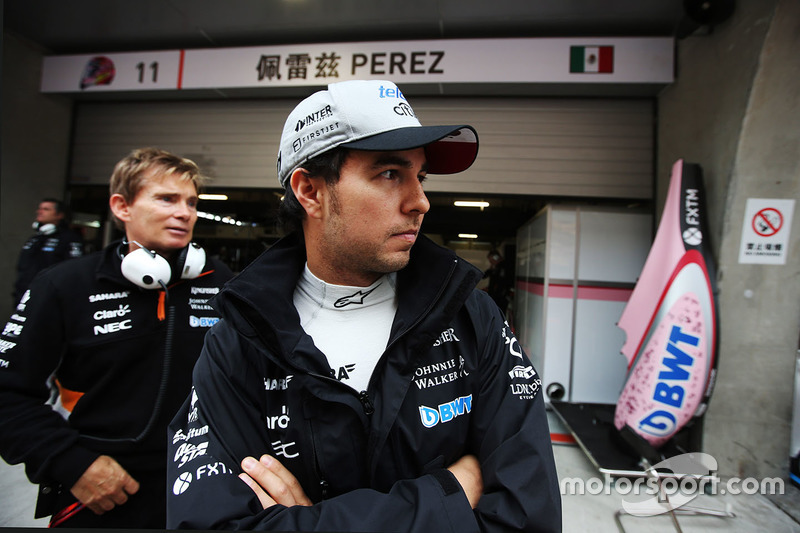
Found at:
[104, 339]
[452, 381]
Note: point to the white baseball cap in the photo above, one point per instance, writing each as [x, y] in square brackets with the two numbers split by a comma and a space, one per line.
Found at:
[369, 115]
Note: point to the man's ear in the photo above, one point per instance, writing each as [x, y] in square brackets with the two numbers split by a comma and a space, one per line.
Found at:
[307, 191]
[120, 207]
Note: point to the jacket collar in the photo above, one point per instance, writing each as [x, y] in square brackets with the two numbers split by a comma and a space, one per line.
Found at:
[110, 265]
[259, 301]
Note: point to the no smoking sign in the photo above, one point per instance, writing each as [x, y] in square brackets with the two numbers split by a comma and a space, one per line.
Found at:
[767, 222]
[765, 232]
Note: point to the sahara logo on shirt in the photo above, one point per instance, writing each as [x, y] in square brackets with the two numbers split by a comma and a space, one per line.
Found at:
[277, 383]
[445, 412]
[344, 372]
[108, 296]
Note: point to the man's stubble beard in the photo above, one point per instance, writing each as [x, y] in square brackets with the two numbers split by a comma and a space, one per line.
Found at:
[355, 255]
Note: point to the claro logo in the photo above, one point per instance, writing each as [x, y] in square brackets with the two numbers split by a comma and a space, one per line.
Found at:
[105, 314]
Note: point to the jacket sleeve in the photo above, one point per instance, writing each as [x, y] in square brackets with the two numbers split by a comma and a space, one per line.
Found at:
[31, 347]
[220, 424]
[510, 433]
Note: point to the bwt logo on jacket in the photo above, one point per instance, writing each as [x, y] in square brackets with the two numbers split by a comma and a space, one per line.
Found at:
[203, 321]
[445, 412]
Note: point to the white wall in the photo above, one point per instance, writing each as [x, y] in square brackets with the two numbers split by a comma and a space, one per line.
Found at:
[735, 109]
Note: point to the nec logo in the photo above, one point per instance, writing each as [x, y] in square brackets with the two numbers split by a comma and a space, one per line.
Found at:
[112, 327]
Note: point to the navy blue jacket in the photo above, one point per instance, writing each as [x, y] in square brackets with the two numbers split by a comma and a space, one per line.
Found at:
[452, 381]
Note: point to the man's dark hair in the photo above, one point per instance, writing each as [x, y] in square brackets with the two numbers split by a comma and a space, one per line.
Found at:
[326, 166]
[58, 204]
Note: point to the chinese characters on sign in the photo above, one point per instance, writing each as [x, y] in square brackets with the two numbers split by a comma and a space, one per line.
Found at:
[269, 66]
[514, 60]
[765, 231]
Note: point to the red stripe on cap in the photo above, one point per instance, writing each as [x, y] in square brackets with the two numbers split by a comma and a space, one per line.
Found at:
[450, 157]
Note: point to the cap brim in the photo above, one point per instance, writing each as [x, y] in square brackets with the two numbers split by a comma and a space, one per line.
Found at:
[448, 149]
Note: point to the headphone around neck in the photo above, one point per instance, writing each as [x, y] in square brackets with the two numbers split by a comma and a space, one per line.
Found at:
[149, 270]
[45, 229]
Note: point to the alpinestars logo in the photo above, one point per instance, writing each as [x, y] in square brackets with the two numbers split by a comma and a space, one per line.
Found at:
[357, 298]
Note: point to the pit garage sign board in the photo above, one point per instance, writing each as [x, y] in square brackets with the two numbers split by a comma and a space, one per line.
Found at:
[619, 60]
[765, 231]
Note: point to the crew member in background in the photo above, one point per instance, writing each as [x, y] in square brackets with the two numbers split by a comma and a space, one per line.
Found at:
[99, 352]
[357, 380]
[53, 242]
[500, 280]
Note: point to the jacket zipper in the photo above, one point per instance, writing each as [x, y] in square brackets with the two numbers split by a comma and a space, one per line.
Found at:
[363, 397]
[366, 403]
[323, 483]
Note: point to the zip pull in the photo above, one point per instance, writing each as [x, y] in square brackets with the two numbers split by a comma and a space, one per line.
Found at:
[366, 403]
[162, 299]
[323, 486]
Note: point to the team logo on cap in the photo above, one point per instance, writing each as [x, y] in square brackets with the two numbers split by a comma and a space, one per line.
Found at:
[313, 118]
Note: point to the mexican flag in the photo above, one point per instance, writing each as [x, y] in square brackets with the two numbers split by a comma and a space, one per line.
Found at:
[591, 59]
